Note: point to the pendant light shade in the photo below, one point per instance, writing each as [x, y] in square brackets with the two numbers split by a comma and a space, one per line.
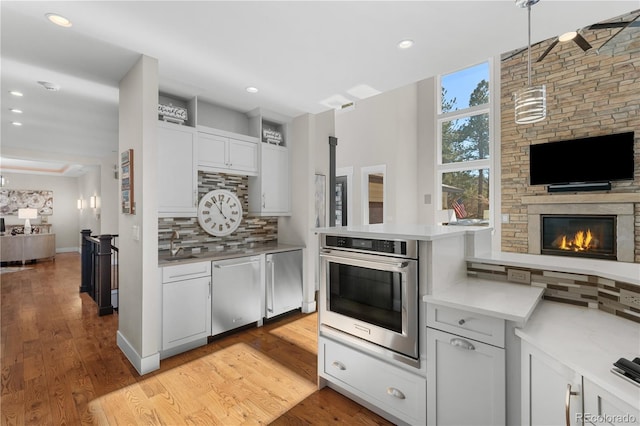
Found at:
[530, 102]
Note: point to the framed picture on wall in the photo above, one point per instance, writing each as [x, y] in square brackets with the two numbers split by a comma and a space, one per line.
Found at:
[126, 182]
[320, 200]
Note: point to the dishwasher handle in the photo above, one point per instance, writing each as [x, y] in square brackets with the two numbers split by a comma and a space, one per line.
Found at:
[232, 265]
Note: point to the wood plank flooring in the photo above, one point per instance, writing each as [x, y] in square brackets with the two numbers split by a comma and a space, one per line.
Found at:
[60, 365]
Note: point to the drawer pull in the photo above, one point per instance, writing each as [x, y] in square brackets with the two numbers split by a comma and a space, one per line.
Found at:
[395, 392]
[461, 343]
[338, 365]
[567, 404]
[461, 322]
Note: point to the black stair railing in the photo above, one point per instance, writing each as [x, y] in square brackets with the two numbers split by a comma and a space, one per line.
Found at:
[99, 269]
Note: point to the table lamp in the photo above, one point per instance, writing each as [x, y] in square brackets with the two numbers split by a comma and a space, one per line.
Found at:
[27, 214]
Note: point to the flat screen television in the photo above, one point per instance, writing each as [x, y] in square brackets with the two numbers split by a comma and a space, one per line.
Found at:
[586, 160]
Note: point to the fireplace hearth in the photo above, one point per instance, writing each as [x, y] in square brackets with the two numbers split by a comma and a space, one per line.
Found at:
[590, 236]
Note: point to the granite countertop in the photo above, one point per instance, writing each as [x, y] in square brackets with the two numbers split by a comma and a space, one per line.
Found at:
[405, 231]
[588, 341]
[165, 258]
[512, 302]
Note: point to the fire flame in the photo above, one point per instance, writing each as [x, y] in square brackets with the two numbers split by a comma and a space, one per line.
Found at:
[581, 241]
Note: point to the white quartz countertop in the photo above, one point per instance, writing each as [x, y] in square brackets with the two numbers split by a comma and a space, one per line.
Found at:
[165, 259]
[512, 302]
[588, 341]
[620, 271]
[404, 231]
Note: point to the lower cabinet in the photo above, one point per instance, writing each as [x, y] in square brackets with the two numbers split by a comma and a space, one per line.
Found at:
[554, 394]
[385, 386]
[551, 391]
[237, 293]
[186, 306]
[465, 377]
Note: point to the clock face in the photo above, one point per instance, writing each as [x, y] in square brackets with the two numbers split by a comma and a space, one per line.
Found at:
[219, 212]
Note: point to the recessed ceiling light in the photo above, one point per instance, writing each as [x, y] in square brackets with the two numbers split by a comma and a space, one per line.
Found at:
[52, 87]
[405, 44]
[568, 36]
[16, 93]
[252, 89]
[16, 110]
[58, 20]
[16, 123]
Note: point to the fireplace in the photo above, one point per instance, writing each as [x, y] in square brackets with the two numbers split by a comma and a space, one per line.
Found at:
[591, 236]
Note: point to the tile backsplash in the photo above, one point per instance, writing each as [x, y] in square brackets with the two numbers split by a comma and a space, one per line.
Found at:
[252, 229]
[614, 297]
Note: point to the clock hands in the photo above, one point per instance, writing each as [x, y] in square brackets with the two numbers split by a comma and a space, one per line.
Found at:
[219, 209]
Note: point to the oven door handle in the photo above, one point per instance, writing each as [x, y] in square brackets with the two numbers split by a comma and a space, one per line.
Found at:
[365, 263]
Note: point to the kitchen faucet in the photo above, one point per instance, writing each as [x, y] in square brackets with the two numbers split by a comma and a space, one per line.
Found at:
[174, 250]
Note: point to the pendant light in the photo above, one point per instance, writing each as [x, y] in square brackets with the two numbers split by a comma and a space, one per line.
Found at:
[530, 102]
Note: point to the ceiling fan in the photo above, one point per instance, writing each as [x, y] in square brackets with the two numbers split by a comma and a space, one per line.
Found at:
[582, 42]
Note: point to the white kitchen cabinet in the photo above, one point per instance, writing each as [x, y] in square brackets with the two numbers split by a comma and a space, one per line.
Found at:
[176, 175]
[270, 191]
[224, 152]
[466, 382]
[551, 391]
[186, 306]
[603, 408]
[385, 386]
[238, 288]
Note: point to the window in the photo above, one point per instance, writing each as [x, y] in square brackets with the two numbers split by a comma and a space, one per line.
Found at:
[464, 142]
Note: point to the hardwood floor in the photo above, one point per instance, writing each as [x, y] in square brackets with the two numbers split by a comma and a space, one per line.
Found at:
[60, 365]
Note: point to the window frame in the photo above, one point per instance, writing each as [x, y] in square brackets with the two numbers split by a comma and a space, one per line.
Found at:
[488, 108]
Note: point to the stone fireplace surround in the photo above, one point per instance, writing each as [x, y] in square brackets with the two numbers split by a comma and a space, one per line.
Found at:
[619, 204]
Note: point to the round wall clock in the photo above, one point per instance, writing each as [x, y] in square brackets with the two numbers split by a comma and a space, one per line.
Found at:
[220, 212]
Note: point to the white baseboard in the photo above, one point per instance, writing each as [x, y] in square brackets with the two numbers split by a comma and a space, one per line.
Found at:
[308, 307]
[142, 365]
[67, 249]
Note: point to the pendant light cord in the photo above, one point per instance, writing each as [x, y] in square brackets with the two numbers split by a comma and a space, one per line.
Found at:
[529, 45]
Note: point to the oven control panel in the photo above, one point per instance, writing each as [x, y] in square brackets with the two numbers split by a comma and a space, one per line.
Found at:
[392, 247]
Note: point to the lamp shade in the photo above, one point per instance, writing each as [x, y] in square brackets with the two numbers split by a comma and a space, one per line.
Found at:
[27, 213]
[531, 104]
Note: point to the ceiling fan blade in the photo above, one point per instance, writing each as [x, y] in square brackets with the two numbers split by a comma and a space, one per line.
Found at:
[580, 41]
[608, 25]
[546, 52]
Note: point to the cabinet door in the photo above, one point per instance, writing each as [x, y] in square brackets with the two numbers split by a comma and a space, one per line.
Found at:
[237, 293]
[465, 381]
[283, 282]
[603, 408]
[275, 179]
[176, 175]
[186, 311]
[212, 151]
[243, 156]
[551, 391]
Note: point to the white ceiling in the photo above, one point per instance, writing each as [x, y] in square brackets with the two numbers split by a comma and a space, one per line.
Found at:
[298, 54]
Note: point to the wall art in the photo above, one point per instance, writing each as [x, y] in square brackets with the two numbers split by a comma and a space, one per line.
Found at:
[126, 183]
[13, 199]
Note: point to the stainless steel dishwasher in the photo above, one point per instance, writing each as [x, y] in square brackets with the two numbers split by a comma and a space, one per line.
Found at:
[237, 293]
[283, 282]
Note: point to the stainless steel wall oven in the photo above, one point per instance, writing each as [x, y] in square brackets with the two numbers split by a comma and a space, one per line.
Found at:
[369, 289]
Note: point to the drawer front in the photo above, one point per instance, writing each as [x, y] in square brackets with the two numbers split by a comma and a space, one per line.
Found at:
[479, 327]
[185, 272]
[390, 388]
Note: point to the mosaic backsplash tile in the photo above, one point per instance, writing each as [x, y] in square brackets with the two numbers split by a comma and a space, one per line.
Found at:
[252, 230]
[614, 297]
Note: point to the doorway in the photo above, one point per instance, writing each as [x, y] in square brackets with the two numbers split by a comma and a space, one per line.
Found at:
[373, 188]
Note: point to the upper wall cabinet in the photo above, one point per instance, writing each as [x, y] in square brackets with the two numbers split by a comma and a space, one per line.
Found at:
[225, 152]
[177, 177]
[270, 190]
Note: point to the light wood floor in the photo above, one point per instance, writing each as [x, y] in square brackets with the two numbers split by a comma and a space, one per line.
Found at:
[60, 365]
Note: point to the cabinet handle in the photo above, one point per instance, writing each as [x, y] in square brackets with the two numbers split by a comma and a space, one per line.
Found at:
[273, 283]
[567, 404]
[395, 392]
[263, 200]
[195, 198]
[338, 365]
[461, 322]
[461, 343]
[209, 289]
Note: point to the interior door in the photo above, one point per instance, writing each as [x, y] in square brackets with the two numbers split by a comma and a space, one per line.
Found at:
[341, 200]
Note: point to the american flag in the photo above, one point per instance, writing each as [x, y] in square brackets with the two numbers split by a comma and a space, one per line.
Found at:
[458, 207]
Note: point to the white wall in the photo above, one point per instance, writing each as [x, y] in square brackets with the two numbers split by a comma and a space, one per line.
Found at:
[89, 186]
[427, 150]
[140, 291]
[383, 130]
[109, 200]
[64, 219]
